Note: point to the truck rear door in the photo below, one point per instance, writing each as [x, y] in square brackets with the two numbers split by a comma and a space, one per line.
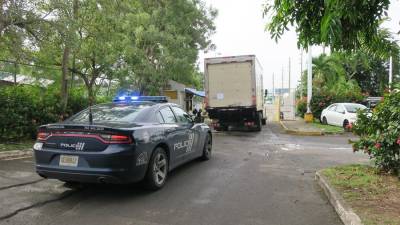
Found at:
[230, 84]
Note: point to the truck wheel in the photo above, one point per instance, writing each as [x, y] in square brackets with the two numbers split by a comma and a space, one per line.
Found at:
[258, 122]
[263, 121]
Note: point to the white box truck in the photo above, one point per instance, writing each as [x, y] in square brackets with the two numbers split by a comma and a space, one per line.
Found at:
[234, 92]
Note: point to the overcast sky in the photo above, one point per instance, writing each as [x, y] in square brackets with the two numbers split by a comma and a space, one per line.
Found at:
[240, 30]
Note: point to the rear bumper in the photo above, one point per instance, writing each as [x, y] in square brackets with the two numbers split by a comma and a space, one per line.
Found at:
[233, 114]
[113, 165]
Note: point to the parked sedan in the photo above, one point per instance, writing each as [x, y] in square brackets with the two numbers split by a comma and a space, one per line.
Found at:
[341, 114]
[124, 142]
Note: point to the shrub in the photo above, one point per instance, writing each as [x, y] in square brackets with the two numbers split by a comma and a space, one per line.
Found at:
[24, 108]
[321, 100]
[301, 106]
[380, 133]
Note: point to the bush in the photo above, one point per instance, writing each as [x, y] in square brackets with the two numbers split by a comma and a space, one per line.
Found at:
[301, 106]
[380, 133]
[321, 100]
[24, 108]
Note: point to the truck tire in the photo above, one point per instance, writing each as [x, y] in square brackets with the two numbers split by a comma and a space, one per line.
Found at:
[258, 122]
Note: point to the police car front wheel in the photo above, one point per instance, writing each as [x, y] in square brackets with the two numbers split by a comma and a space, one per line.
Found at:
[157, 171]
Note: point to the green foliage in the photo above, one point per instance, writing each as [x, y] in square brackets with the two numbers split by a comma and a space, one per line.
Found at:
[340, 24]
[141, 43]
[163, 42]
[24, 108]
[301, 106]
[380, 133]
[321, 100]
[334, 80]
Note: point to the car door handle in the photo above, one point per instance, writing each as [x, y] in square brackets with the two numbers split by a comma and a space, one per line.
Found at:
[169, 130]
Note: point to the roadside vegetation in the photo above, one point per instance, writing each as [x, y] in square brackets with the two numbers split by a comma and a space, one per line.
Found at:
[374, 196]
[329, 129]
[18, 145]
[380, 133]
[344, 77]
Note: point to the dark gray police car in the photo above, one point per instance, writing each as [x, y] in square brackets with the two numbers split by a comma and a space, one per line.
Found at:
[124, 142]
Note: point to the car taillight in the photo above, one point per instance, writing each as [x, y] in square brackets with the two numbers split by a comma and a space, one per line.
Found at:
[42, 136]
[116, 138]
[120, 138]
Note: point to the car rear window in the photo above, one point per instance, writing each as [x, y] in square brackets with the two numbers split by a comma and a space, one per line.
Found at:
[352, 108]
[111, 113]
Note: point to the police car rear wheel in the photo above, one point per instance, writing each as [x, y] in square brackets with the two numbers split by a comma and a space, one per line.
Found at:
[207, 148]
[158, 170]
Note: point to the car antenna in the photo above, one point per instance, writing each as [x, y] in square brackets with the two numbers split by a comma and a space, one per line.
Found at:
[90, 115]
[90, 111]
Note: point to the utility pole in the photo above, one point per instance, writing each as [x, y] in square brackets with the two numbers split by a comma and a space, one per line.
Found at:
[301, 72]
[390, 72]
[289, 74]
[273, 85]
[282, 83]
[308, 117]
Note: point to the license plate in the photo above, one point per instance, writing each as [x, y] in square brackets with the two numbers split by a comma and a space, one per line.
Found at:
[69, 160]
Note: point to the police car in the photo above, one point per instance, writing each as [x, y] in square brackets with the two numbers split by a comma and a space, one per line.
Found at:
[129, 140]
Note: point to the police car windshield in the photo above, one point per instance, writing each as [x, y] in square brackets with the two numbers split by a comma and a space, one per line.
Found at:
[120, 113]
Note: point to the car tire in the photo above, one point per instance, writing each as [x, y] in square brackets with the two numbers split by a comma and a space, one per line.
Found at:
[324, 121]
[157, 171]
[207, 149]
[345, 124]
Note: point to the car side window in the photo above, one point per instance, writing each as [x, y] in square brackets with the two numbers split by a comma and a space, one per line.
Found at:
[340, 109]
[181, 115]
[167, 115]
[332, 108]
[159, 117]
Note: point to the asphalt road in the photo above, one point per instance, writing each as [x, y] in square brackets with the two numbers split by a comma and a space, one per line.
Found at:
[253, 178]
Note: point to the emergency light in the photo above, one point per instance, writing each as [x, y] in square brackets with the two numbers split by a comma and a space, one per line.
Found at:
[132, 96]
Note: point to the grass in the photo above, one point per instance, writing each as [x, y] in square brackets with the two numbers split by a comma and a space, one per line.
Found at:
[327, 128]
[375, 197]
[23, 145]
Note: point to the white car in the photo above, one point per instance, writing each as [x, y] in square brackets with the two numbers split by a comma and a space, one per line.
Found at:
[341, 114]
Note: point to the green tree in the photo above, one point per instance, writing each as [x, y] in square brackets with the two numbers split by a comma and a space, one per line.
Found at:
[163, 41]
[339, 24]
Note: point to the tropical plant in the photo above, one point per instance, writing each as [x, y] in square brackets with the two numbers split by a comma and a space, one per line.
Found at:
[380, 133]
[339, 24]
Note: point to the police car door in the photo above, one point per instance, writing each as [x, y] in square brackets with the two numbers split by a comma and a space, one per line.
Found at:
[189, 144]
[173, 135]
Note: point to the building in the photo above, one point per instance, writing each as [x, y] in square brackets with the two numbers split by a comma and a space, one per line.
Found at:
[179, 94]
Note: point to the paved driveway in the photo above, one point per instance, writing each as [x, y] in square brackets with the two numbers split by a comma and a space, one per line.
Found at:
[253, 178]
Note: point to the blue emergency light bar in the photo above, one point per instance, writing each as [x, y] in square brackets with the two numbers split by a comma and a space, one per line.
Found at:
[127, 99]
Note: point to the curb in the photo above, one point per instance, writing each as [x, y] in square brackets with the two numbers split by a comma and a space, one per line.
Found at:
[302, 133]
[16, 154]
[346, 214]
